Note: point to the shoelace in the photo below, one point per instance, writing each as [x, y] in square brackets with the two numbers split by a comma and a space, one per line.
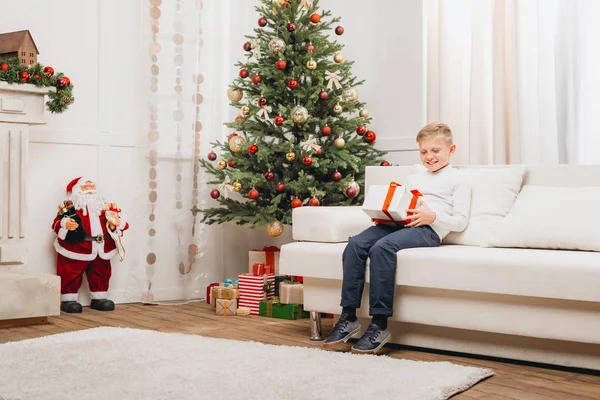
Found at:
[372, 333]
[341, 325]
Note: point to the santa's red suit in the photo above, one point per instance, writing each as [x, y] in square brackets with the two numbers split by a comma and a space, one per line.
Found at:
[91, 254]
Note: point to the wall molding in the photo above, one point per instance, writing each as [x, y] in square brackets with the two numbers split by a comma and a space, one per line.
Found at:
[85, 138]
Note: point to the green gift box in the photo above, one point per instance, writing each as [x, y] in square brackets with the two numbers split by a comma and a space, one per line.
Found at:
[283, 311]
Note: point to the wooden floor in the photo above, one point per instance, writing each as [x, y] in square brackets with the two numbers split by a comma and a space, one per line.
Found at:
[510, 382]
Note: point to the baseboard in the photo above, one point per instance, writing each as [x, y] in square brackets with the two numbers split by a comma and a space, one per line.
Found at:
[168, 294]
[9, 323]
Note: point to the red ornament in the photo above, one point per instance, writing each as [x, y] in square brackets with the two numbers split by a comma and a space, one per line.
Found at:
[280, 64]
[370, 137]
[262, 101]
[291, 27]
[314, 202]
[319, 152]
[310, 48]
[256, 79]
[315, 18]
[239, 118]
[350, 192]
[24, 76]
[326, 130]
[247, 46]
[212, 156]
[287, 4]
[253, 194]
[361, 130]
[323, 95]
[262, 22]
[339, 30]
[279, 120]
[244, 73]
[336, 176]
[307, 160]
[61, 83]
[385, 164]
[296, 203]
[36, 77]
[231, 164]
[293, 84]
[66, 78]
[253, 149]
[215, 194]
[269, 175]
[48, 72]
[4, 67]
[280, 187]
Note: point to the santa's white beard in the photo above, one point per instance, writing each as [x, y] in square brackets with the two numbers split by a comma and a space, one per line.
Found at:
[92, 201]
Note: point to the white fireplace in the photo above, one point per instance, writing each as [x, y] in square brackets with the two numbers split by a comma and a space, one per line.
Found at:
[25, 296]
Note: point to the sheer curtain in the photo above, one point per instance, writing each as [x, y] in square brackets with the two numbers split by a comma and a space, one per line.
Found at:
[515, 79]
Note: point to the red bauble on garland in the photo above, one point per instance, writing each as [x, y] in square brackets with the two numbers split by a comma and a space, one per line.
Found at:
[296, 203]
[24, 76]
[36, 77]
[253, 194]
[370, 137]
[385, 164]
[336, 176]
[280, 187]
[280, 64]
[212, 156]
[319, 152]
[239, 118]
[307, 160]
[361, 130]
[278, 120]
[62, 82]
[339, 30]
[326, 130]
[253, 149]
[244, 73]
[293, 84]
[256, 79]
[48, 72]
[323, 95]
[66, 78]
[4, 67]
[262, 22]
[215, 194]
[314, 202]
[315, 18]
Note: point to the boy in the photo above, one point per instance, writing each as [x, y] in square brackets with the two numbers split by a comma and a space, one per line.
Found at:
[444, 207]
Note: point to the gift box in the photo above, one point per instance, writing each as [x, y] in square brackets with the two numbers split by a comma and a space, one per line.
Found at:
[385, 204]
[214, 294]
[258, 269]
[209, 291]
[226, 307]
[283, 311]
[230, 283]
[254, 289]
[267, 256]
[291, 293]
[278, 280]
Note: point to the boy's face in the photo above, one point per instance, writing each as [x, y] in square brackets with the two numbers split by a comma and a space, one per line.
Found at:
[435, 152]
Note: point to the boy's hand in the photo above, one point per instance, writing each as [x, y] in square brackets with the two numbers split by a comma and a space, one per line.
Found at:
[421, 216]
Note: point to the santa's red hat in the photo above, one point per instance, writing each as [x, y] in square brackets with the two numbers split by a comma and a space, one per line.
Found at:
[75, 184]
[72, 184]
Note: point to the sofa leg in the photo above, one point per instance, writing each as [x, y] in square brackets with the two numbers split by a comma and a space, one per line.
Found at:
[315, 326]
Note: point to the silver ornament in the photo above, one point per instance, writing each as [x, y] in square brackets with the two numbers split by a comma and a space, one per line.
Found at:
[299, 115]
[339, 142]
[350, 96]
[277, 45]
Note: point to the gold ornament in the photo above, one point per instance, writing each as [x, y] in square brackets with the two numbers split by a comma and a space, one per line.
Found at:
[299, 114]
[290, 157]
[221, 164]
[312, 64]
[350, 96]
[274, 228]
[338, 109]
[338, 57]
[364, 113]
[235, 144]
[235, 95]
[351, 184]
[277, 45]
[237, 186]
[245, 110]
[339, 142]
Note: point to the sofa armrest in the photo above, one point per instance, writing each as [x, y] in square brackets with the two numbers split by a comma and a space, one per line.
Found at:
[328, 224]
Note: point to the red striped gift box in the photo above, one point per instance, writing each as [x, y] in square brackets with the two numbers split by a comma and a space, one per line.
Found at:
[251, 290]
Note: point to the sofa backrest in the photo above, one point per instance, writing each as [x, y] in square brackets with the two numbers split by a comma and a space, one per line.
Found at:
[543, 175]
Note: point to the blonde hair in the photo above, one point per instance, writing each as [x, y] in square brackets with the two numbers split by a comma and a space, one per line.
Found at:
[436, 129]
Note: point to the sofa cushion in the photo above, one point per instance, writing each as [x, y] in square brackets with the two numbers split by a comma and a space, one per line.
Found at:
[328, 224]
[525, 272]
[550, 217]
[493, 193]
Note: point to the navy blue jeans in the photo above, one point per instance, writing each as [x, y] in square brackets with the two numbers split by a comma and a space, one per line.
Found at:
[379, 243]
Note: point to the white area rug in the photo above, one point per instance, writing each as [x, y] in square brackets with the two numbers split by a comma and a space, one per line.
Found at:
[115, 363]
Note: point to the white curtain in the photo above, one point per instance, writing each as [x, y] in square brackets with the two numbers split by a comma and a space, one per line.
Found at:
[516, 80]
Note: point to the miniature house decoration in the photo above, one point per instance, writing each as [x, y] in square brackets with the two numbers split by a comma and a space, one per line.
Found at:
[18, 44]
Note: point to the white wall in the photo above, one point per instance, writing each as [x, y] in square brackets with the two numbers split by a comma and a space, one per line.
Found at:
[99, 49]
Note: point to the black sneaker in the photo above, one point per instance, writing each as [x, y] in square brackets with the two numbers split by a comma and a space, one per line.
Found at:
[342, 331]
[371, 341]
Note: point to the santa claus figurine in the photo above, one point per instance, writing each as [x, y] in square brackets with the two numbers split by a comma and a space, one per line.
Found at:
[89, 235]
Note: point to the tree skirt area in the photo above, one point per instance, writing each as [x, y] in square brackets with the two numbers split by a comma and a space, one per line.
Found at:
[118, 363]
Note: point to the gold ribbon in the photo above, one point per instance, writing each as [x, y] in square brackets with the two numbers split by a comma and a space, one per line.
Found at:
[311, 143]
[264, 112]
[334, 79]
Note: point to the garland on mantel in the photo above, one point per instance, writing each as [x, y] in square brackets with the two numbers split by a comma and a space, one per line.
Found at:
[12, 71]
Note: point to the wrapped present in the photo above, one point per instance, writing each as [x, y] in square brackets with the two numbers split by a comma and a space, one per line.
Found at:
[209, 291]
[291, 293]
[283, 311]
[230, 283]
[278, 280]
[243, 311]
[386, 204]
[254, 289]
[258, 269]
[269, 255]
[214, 294]
[226, 293]
[226, 307]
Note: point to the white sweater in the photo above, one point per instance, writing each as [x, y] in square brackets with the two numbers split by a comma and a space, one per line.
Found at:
[448, 193]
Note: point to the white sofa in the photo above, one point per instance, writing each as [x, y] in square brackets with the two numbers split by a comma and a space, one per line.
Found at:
[530, 304]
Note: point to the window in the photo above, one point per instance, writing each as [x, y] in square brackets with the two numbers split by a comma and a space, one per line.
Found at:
[30, 54]
[22, 53]
[31, 61]
[23, 61]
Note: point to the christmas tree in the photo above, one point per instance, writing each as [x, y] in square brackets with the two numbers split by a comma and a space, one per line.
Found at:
[302, 136]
